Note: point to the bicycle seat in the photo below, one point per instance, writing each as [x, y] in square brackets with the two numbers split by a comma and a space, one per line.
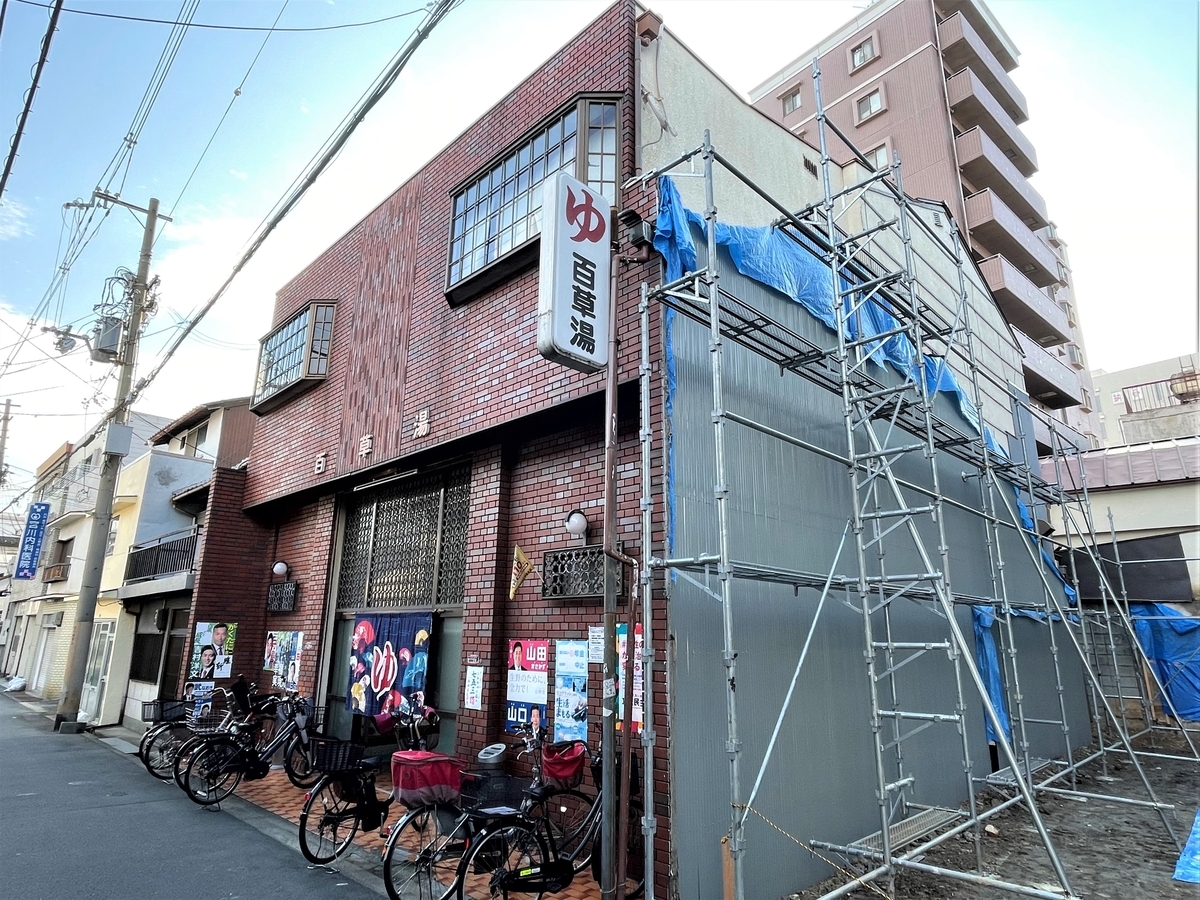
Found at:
[539, 792]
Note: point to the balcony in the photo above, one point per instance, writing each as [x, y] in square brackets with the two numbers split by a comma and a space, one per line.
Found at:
[1024, 305]
[973, 104]
[1047, 379]
[1000, 230]
[171, 554]
[985, 166]
[56, 572]
[1067, 437]
[986, 27]
[962, 48]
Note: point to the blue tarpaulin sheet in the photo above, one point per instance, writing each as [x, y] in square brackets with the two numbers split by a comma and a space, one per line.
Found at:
[796, 270]
[1188, 867]
[1171, 641]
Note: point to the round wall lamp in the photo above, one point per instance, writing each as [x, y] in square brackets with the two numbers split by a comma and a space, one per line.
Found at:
[280, 569]
[576, 523]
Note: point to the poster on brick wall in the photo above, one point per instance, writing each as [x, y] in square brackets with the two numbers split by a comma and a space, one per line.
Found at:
[212, 650]
[473, 690]
[570, 690]
[282, 658]
[639, 694]
[389, 658]
[528, 674]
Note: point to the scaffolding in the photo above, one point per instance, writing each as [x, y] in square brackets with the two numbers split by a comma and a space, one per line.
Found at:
[888, 425]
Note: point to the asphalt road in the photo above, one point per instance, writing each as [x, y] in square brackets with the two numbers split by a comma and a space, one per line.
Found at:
[81, 820]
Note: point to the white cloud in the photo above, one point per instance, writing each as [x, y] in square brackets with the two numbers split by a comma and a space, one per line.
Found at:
[12, 220]
[240, 176]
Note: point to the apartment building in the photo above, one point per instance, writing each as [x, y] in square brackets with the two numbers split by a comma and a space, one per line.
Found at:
[1155, 401]
[928, 81]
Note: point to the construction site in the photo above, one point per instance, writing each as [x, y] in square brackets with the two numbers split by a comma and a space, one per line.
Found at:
[859, 563]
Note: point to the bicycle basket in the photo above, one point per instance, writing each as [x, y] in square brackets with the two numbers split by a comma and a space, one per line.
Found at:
[334, 755]
[421, 778]
[164, 710]
[484, 789]
[563, 764]
[421, 731]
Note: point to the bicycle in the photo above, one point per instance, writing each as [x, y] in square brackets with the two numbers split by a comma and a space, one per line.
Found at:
[217, 766]
[553, 837]
[179, 722]
[435, 849]
[340, 803]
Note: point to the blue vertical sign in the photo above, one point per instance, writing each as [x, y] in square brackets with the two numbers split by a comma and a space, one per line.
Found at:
[31, 542]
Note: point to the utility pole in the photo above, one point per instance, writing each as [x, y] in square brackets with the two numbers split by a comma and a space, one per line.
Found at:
[4, 439]
[89, 591]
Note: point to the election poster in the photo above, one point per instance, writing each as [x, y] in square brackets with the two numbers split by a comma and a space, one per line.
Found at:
[570, 690]
[282, 658]
[639, 695]
[212, 650]
[528, 689]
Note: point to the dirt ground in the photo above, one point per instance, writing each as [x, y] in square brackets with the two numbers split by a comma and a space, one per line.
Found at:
[1109, 850]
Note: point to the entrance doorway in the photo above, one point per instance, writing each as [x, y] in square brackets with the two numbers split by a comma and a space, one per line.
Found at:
[95, 678]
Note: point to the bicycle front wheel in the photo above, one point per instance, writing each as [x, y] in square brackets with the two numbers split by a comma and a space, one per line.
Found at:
[214, 771]
[159, 753]
[297, 762]
[328, 821]
[423, 852]
[567, 815]
[183, 755]
[495, 857]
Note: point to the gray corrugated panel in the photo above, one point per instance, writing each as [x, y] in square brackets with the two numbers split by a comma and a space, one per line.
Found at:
[787, 507]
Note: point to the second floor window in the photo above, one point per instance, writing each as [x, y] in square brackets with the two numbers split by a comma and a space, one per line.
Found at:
[501, 209]
[296, 351]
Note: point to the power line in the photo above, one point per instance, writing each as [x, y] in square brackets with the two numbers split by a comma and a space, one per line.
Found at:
[99, 15]
[37, 75]
[237, 92]
[333, 146]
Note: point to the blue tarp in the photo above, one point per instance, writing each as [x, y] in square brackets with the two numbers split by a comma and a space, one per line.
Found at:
[1188, 867]
[797, 270]
[1171, 641]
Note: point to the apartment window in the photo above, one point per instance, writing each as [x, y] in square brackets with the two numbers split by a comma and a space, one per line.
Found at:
[862, 54]
[500, 210]
[878, 158]
[870, 105]
[195, 442]
[296, 353]
[791, 101]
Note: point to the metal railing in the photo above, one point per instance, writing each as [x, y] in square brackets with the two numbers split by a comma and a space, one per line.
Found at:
[56, 572]
[165, 555]
[1152, 395]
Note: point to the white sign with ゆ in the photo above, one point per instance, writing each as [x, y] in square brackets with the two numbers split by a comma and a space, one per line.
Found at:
[573, 287]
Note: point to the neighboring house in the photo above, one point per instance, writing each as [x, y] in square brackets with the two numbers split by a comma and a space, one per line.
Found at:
[42, 610]
[410, 435]
[929, 82]
[147, 592]
[1151, 402]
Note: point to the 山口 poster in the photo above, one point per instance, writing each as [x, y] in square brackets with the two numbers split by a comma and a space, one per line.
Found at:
[212, 650]
[639, 695]
[570, 690]
[282, 658]
[389, 659]
[528, 674]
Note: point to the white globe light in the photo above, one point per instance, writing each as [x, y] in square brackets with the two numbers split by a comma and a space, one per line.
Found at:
[280, 569]
[577, 523]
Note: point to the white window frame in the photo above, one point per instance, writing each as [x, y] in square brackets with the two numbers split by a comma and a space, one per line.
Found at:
[791, 101]
[875, 92]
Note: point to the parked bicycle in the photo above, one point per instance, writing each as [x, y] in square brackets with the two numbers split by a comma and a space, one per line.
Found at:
[179, 721]
[345, 799]
[476, 847]
[216, 767]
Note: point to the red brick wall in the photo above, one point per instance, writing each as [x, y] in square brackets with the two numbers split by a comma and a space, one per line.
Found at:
[231, 577]
[398, 346]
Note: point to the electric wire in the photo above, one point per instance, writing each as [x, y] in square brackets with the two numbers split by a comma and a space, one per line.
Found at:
[85, 224]
[214, 27]
[237, 92]
[332, 147]
[37, 77]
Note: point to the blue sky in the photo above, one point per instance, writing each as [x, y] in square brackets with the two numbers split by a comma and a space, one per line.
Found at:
[1112, 90]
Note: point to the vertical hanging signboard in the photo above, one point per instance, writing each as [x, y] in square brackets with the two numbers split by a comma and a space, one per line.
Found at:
[31, 541]
[574, 305]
